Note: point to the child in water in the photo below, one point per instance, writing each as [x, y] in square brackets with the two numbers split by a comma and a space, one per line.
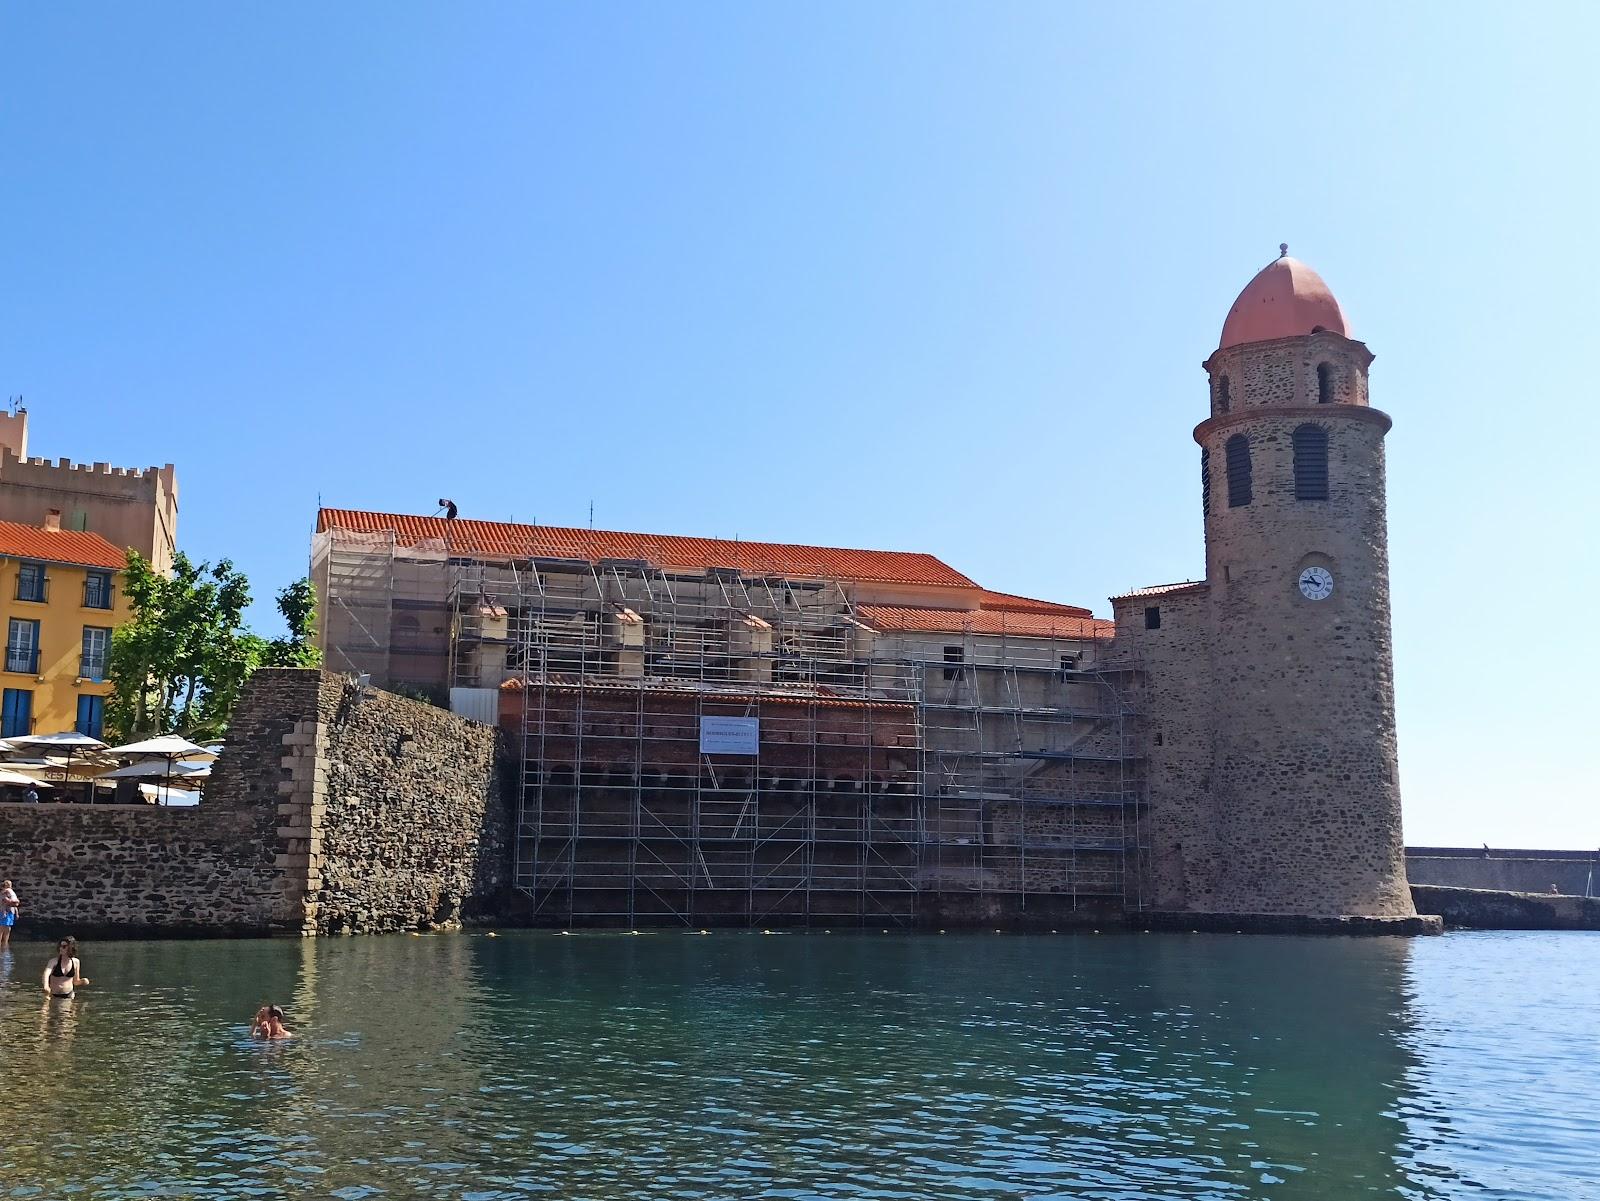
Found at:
[268, 1023]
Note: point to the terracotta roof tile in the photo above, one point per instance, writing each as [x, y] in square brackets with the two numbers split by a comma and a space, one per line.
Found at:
[1164, 589]
[504, 539]
[77, 547]
[985, 621]
[1027, 604]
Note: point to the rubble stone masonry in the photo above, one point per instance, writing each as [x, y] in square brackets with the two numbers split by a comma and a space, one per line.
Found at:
[332, 810]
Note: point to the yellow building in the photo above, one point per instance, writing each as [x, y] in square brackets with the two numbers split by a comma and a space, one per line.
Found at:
[61, 596]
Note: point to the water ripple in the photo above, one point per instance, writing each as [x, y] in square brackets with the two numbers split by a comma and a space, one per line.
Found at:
[1122, 1069]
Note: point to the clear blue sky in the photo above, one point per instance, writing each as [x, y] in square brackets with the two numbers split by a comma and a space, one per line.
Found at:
[913, 276]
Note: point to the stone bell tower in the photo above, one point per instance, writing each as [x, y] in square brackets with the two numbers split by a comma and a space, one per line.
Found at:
[1274, 788]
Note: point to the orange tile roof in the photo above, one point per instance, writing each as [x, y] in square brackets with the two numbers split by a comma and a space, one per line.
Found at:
[77, 547]
[1012, 603]
[985, 621]
[1164, 589]
[504, 539]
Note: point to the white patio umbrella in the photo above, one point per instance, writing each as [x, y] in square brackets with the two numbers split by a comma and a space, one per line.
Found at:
[165, 746]
[168, 747]
[68, 740]
[155, 768]
[16, 777]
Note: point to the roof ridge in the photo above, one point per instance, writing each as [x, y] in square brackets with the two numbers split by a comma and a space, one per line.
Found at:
[516, 540]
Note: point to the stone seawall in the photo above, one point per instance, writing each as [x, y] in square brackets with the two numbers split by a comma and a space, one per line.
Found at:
[402, 812]
[1571, 873]
[332, 810]
[1488, 909]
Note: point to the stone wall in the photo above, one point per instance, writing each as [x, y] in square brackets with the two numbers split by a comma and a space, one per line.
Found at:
[401, 811]
[331, 811]
[140, 869]
[1570, 873]
[1489, 909]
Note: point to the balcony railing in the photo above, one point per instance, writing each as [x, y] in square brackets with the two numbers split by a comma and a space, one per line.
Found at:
[92, 667]
[97, 594]
[35, 588]
[22, 658]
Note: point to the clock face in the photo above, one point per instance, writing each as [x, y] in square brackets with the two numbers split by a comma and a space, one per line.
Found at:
[1316, 583]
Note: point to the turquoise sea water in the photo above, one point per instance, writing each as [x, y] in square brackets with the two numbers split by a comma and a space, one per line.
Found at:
[799, 1066]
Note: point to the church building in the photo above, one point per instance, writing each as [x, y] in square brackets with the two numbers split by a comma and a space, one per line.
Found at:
[719, 731]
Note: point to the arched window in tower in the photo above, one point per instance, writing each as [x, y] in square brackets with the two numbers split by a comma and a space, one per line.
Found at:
[1310, 463]
[1238, 452]
[1205, 481]
[1223, 399]
[1324, 383]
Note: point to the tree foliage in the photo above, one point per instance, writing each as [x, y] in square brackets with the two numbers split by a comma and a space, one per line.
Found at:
[180, 661]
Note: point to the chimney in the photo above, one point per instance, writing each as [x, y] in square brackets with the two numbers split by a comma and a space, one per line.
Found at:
[52, 520]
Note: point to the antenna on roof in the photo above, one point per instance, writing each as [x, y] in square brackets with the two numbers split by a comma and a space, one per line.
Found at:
[449, 509]
[591, 513]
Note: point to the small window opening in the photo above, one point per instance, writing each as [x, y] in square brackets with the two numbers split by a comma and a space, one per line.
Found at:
[1223, 397]
[1158, 739]
[1152, 617]
[1205, 480]
[953, 657]
[1324, 384]
[1310, 463]
[1069, 663]
[1238, 452]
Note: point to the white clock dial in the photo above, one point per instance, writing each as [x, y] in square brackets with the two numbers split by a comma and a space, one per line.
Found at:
[1316, 583]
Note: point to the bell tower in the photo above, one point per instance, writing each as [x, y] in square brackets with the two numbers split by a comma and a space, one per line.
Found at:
[1268, 687]
[1304, 776]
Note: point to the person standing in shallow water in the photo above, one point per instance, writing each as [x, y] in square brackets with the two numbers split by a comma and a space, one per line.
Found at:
[10, 907]
[63, 975]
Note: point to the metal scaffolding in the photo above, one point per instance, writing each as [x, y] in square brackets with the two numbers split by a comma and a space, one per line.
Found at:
[876, 782]
[898, 776]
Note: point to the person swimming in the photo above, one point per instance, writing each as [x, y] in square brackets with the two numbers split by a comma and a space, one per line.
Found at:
[64, 974]
[268, 1023]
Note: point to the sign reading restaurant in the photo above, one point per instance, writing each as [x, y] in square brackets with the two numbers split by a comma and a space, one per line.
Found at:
[729, 735]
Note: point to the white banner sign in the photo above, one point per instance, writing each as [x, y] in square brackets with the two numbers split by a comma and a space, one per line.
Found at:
[729, 735]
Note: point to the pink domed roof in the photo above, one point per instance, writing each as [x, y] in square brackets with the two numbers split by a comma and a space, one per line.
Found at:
[1284, 300]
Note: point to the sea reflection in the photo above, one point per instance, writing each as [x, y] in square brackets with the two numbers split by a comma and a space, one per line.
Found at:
[675, 1065]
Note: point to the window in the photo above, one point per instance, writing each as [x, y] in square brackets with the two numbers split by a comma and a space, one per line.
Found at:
[32, 583]
[22, 646]
[953, 657]
[97, 590]
[16, 713]
[1152, 617]
[91, 715]
[1223, 398]
[1238, 452]
[80, 520]
[1310, 463]
[1205, 480]
[96, 642]
[1324, 384]
[1069, 663]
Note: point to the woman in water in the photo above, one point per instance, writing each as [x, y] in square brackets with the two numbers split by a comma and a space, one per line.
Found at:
[64, 973]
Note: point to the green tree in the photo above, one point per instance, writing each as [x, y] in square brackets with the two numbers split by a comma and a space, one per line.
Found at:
[298, 605]
[181, 660]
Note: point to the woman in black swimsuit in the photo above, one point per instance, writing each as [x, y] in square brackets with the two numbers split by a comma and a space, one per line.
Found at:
[64, 973]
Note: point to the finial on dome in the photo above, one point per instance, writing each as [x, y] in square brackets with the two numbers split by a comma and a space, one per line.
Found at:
[1283, 250]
